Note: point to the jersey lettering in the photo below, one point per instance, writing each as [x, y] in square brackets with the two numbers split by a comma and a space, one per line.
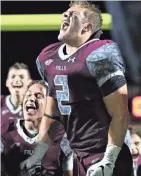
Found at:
[62, 95]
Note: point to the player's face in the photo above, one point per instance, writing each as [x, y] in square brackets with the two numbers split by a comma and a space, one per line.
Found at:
[73, 23]
[135, 147]
[17, 81]
[34, 102]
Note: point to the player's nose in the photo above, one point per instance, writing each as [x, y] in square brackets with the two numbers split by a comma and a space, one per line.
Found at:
[31, 97]
[133, 148]
[17, 78]
[66, 15]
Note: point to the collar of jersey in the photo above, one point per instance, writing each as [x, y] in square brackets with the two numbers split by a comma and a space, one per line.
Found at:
[23, 135]
[10, 106]
[64, 56]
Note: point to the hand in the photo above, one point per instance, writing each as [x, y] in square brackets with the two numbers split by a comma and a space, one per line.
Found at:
[30, 162]
[106, 165]
[102, 168]
[38, 154]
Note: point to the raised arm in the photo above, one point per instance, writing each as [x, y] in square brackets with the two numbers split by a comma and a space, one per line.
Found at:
[46, 120]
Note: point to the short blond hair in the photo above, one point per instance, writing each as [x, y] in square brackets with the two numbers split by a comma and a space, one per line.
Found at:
[93, 13]
[19, 66]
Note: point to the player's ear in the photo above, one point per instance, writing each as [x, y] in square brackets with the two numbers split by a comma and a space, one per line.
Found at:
[88, 27]
[29, 81]
[7, 82]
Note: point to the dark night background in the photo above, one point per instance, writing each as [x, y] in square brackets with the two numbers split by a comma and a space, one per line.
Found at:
[25, 46]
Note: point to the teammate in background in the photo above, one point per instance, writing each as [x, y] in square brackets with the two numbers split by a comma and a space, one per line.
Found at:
[19, 142]
[136, 149]
[17, 81]
[86, 82]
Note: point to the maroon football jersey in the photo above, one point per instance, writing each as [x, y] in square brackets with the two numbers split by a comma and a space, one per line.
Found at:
[75, 83]
[8, 113]
[18, 146]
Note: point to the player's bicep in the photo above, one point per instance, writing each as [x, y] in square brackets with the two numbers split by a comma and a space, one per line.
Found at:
[112, 84]
[117, 103]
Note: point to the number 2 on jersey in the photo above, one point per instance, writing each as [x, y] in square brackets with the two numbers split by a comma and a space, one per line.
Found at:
[62, 95]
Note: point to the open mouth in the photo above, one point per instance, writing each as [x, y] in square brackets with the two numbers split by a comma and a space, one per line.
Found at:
[31, 108]
[17, 86]
[65, 25]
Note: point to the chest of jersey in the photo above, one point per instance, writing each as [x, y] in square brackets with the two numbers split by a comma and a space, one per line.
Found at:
[70, 80]
[8, 115]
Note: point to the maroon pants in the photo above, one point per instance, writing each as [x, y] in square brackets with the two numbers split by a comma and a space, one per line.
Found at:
[123, 165]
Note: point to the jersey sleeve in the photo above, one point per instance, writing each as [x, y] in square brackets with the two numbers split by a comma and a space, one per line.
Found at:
[40, 71]
[107, 67]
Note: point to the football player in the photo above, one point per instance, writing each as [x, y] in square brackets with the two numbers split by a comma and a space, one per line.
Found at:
[87, 84]
[17, 81]
[19, 142]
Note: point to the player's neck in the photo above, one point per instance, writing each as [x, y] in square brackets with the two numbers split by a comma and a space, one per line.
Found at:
[31, 130]
[15, 101]
[70, 49]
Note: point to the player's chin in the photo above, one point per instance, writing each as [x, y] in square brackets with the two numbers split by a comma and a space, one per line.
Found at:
[30, 118]
[135, 157]
[62, 35]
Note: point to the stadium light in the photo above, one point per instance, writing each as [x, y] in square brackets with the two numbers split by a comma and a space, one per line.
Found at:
[40, 22]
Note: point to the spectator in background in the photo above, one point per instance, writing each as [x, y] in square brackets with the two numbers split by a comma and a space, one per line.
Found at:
[17, 81]
[136, 149]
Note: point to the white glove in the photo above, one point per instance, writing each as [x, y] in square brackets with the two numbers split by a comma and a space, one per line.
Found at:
[38, 154]
[106, 165]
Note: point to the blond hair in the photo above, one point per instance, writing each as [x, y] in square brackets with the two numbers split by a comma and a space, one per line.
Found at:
[93, 13]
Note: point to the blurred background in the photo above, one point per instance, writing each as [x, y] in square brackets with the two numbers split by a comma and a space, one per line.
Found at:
[24, 46]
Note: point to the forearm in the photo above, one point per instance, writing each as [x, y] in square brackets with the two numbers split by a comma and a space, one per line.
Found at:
[46, 121]
[117, 130]
[43, 131]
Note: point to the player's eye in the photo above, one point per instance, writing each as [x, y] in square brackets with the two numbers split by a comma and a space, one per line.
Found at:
[137, 143]
[73, 13]
[39, 95]
[13, 76]
[21, 76]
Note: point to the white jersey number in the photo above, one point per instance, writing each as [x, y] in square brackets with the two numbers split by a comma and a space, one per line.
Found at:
[62, 95]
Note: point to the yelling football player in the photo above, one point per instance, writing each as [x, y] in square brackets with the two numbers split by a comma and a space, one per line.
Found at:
[87, 84]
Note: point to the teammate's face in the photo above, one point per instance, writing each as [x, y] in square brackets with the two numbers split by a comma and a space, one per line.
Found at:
[73, 24]
[17, 81]
[34, 102]
[135, 147]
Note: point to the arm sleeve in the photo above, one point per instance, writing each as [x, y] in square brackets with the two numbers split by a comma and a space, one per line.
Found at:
[107, 67]
[40, 70]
